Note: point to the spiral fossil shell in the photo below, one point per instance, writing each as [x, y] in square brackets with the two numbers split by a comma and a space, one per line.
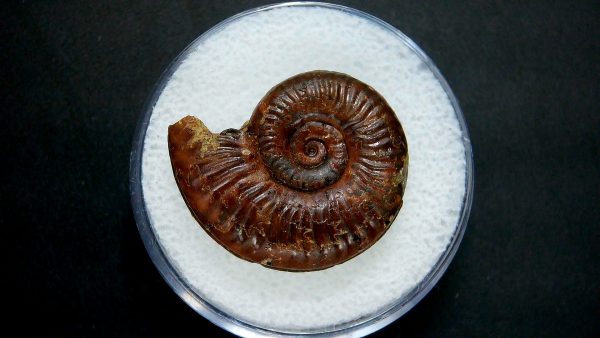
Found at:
[314, 178]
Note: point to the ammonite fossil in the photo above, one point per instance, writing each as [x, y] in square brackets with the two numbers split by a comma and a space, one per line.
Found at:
[313, 179]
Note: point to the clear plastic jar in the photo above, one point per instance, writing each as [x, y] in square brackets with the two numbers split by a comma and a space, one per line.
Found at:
[361, 326]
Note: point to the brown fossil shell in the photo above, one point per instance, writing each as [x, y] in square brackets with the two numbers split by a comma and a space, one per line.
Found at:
[315, 178]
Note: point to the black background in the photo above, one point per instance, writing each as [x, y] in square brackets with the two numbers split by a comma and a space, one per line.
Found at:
[75, 75]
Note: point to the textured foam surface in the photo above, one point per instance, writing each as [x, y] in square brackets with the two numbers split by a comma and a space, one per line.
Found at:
[221, 81]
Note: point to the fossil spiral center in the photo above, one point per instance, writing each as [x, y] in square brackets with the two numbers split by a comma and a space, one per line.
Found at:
[307, 154]
[314, 154]
[314, 148]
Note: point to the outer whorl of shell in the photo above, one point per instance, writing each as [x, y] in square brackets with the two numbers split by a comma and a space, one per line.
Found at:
[315, 178]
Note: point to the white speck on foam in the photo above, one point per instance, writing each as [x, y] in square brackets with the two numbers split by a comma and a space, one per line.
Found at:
[222, 80]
